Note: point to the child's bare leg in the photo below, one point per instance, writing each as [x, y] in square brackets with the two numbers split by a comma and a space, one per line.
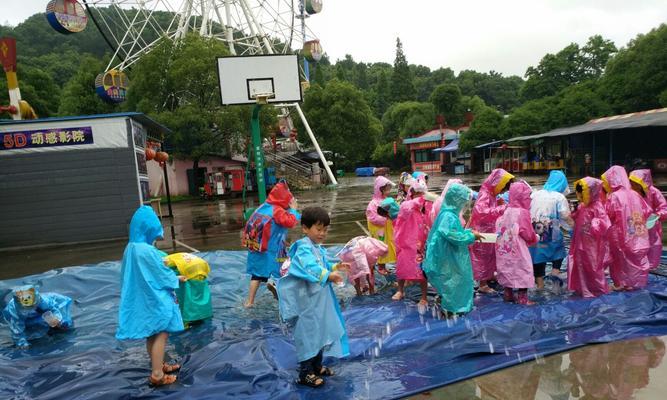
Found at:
[539, 282]
[357, 286]
[252, 291]
[157, 344]
[371, 282]
[399, 293]
[424, 286]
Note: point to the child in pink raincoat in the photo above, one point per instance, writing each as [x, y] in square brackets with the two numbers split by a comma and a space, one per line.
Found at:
[483, 219]
[642, 183]
[362, 252]
[515, 234]
[410, 237]
[588, 248]
[628, 235]
[380, 227]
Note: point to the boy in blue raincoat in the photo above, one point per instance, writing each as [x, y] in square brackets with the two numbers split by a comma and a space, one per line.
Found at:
[148, 306]
[265, 237]
[32, 315]
[447, 263]
[306, 298]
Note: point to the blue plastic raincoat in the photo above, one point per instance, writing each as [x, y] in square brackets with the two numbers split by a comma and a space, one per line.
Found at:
[24, 313]
[549, 211]
[276, 214]
[306, 298]
[147, 299]
[447, 263]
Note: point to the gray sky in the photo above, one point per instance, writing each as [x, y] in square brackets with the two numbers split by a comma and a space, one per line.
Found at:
[505, 36]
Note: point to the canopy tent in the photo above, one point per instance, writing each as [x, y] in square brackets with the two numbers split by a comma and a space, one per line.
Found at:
[451, 147]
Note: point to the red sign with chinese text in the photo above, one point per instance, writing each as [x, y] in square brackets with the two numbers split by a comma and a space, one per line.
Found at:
[8, 54]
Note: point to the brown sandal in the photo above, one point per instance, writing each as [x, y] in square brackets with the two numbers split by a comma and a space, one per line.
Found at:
[165, 380]
[311, 380]
[170, 368]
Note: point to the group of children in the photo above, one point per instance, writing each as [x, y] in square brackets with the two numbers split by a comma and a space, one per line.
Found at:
[507, 239]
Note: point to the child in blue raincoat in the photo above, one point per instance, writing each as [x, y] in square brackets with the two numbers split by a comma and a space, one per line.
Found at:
[447, 263]
[265, 237]
[549, 211]
[148, 306]
[32, 315]
[307, 300]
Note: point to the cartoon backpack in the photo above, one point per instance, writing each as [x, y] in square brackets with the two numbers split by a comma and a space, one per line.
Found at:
[257, 233]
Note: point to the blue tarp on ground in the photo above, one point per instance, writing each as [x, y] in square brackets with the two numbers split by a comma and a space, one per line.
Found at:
[365, 171]
[243, 354]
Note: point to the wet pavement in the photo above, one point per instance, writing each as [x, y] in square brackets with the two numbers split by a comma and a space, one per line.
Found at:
[621, 370]
[632, 369]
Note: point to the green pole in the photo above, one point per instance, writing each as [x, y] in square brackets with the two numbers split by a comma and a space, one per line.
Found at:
[259, 156]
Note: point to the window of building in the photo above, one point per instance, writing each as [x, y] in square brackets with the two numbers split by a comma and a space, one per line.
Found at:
[425, 156]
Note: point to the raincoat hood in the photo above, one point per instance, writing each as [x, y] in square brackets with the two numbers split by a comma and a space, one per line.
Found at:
[380, 182]
[643, 178]
[419, 186]
[145, 226]
[520, 195]
[391, 206]
[419, 175]
[615, 178]
[280, 195]
[26, 296]
[457, 196]
[497, 180]
[557, 182]
[592, 189]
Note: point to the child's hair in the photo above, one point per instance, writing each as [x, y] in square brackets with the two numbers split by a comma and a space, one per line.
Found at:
[579, 188]
[313, 216]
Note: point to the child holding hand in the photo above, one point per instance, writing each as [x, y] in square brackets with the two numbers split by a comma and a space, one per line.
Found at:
[307, 300]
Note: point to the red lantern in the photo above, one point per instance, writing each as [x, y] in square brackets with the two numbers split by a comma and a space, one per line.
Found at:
[161, 157]
[150, 153]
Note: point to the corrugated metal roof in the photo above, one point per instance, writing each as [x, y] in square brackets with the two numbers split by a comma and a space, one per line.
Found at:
[485, 145]
[657, 117]
[430, 138]
[149, 123]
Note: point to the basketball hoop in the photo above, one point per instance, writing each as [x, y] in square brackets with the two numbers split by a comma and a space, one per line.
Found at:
[263, 98]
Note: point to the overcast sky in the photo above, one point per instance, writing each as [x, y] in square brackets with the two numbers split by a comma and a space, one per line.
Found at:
[505, 36]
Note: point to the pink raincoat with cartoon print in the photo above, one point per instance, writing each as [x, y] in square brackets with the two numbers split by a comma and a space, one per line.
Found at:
[410, 238]
[381, 228]
[588, 248]
[483, 219]
[515, 233]
[628, 235]
[658, 205]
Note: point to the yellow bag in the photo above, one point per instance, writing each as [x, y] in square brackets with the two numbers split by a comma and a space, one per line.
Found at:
[191, 266]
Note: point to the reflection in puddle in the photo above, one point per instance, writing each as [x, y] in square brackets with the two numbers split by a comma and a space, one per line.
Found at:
[631, 369]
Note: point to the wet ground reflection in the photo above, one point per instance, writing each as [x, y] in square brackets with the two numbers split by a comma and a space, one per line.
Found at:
[632, 369]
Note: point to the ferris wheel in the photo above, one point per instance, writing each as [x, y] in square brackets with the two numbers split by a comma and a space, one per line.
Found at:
[133, 27]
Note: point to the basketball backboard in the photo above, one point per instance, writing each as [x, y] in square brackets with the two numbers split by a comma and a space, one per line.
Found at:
[242, 78]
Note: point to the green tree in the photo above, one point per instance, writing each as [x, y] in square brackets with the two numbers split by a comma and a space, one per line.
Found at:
[402, 87]
[342, 121]
[637, 76]
[408, 118]
[384, 155]
[446, 98]
[531, 118]
[177, 84]
[78, 95]
[595, 55]
[382, 94]
[578, 104]
[485, 128]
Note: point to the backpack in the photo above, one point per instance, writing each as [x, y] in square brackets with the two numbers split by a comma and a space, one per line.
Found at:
[257, 233]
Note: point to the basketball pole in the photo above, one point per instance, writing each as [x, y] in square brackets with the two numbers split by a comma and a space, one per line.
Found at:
[317, 146]
[257, 149]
